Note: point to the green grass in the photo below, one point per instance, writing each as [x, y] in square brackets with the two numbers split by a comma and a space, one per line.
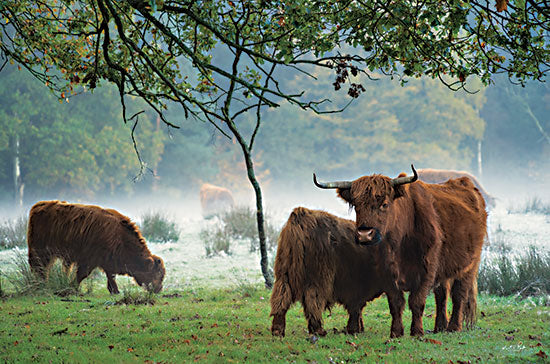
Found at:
[232, 326]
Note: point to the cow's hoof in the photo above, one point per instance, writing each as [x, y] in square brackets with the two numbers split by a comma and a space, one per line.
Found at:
[278, 332]
[396, 333]
[320, 332]
[417, 332]
[352, 330]
[453, 328]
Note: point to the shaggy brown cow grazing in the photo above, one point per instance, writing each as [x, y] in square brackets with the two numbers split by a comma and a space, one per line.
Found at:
[432, 234]
[215, 199]
[91, 237]
[319, 264]
[443, 175]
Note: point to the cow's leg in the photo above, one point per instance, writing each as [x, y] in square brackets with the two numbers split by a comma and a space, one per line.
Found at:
[313, 310]
[459, 295]
[396, 301]
[111, 283]
[82, 272]
[39, 262]
[417, 302]
[281, 300]
[441, 293]
[470, 306]
[355, 321]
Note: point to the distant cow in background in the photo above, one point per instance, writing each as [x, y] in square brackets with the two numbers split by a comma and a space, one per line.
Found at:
[215, 200]
[319, 264]
[91, 237]
[443, 175]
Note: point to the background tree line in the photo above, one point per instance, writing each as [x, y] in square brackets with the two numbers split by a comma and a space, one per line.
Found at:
[79, 149]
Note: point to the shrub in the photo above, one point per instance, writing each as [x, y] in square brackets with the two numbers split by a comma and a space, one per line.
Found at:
[60, 281]
[215, 241]
[241, 223]
[533, 205]
[132, 295]
[238, 224]
[2, 292]
[156, 227]
[13, 233]
[527, 274]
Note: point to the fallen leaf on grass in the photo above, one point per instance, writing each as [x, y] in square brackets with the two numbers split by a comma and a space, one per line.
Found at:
[16, 343]
[509, 337]
[541, 354]
[433, 341]
[130, 350]
[352, 344]
[111, 347]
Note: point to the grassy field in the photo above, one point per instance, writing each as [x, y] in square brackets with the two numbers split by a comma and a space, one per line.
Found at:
[232, 326]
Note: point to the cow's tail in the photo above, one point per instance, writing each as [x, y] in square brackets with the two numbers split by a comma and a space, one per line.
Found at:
[290, 271]
[470, 309]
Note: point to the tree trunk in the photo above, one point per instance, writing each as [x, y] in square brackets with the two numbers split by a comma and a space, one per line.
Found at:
[17, 185]
[264, 264]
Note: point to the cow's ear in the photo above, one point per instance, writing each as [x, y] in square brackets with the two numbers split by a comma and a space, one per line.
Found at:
[399, 191]
[158, 261]
[344, 194]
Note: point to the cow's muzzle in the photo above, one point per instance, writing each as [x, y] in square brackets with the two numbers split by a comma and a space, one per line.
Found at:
[368, 235]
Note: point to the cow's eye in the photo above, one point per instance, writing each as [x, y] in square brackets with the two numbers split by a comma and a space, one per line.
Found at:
[384, 206]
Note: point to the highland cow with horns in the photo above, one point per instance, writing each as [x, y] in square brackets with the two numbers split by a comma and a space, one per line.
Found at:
[425, 236]
[91, 237]
[319, 264]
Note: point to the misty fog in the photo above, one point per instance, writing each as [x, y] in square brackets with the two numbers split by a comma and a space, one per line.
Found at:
[82, 152]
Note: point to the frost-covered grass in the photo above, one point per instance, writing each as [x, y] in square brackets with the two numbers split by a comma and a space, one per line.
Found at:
[188, 266]
[533, 204]
[13, 232]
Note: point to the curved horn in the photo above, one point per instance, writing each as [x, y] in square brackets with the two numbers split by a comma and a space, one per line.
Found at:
[404, 180]
[327, 185]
